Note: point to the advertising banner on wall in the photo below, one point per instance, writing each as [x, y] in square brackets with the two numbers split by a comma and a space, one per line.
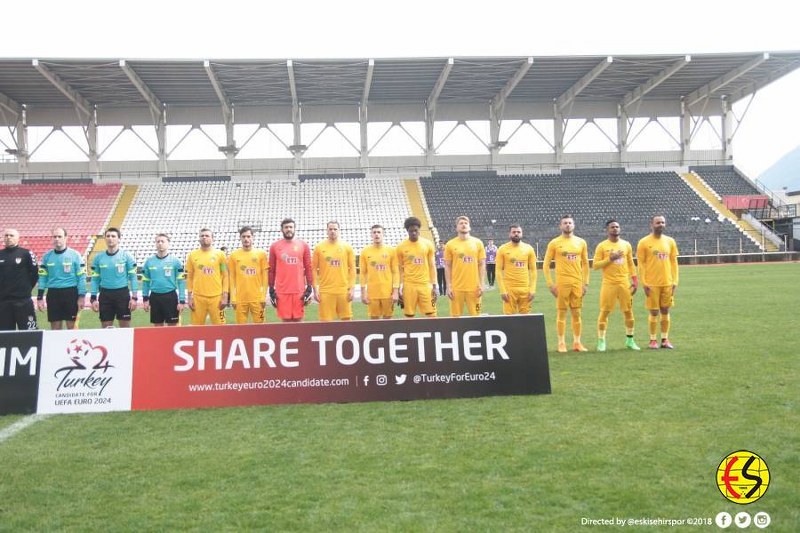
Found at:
[86, 371]
[20, 356]
[215, 366]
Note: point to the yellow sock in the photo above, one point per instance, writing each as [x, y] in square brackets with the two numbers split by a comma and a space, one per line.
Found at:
[652, 323]
[629, 322]
[602, 324]
[561, 324]
[576, 323]
[665, 322]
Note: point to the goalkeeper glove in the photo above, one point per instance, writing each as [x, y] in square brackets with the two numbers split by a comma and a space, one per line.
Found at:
[273, 298]
[307, 295]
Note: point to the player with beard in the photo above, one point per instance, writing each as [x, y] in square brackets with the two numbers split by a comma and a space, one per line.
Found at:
[572, 279]
[516, 273]
[290, 274]
[658, 270]
[614, 256]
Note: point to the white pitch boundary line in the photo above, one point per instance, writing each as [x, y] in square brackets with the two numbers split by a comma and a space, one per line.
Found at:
[8, 432]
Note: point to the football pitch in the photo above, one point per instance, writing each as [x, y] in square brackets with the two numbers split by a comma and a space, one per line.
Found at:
[624, 435]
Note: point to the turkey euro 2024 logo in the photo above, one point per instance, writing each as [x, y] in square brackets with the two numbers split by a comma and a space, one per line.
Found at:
[88, 370]
[743, 477]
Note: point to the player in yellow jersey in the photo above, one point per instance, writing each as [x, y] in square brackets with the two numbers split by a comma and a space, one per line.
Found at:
[334, 266]
[572, 280]
[380, 279]
[516, 273]
[248, 269]
[417, 269]
[464, 270]
[658, 270]
[207, 281]
[614, 256]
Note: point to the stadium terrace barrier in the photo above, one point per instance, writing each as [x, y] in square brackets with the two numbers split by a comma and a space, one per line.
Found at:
[218, 366]
[54, 181]
[766, 257]
[337, 176]
[186, 179]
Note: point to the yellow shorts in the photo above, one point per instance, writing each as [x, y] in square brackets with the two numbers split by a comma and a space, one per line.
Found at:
[462, 298]
[380, 308]
[252, 309]
[660, 297]
[611, 294]
[333, 306]
[418, 297]
[518, 302]
[207, 306]
[569, 296]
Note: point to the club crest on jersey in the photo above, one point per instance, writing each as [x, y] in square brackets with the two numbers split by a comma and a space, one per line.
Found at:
[67, 267]
[168, 271]
[18, 260]
[120, 268]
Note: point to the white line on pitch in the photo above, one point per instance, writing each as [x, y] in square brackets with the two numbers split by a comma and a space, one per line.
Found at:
[19, 425]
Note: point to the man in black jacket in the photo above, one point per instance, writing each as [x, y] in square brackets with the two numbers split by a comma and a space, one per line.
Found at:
[18, 276]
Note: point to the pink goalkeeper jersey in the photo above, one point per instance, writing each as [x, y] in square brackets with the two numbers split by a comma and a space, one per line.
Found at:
[289, 266]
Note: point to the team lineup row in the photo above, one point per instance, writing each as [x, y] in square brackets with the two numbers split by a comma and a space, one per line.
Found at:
[413, 274]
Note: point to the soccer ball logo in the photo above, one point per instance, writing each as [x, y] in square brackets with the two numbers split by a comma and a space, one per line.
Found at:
[84, 355]
[743, 477]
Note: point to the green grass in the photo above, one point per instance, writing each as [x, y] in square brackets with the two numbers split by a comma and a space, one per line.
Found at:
[623, 434]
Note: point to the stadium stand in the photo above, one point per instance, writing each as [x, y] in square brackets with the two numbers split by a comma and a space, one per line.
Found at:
[182, 209]
[592, 196]
[726, 180]
[35, 209]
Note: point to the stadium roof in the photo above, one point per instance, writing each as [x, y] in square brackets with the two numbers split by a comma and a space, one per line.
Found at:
[123, 84]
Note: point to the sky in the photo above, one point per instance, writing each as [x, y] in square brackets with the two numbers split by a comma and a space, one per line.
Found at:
[150, 29]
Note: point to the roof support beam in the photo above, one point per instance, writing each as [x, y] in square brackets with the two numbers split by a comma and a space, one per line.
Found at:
[639, 92]
[362, 115]
[10, 105]
[498, 104]
[74, 96]
[229, 149]
[297, 148]
[710, 88]
[570, 94]
[754, 87]
[156, 107]
[430, 106]
[157, 111]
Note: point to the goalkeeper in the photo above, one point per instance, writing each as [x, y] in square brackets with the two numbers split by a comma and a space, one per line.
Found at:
[290, 277]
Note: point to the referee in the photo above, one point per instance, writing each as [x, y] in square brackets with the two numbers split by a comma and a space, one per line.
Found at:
[18, 276]
[63, 276]
[112, 271]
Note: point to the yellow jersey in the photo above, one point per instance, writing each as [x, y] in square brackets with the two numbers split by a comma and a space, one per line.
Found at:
[379, 273]
[516, 267]
[619, 271]
[206, 272]
[464, 257]
[334, 267]
[571, 256]
[248, 271]
[415, 262]
[658, 261]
